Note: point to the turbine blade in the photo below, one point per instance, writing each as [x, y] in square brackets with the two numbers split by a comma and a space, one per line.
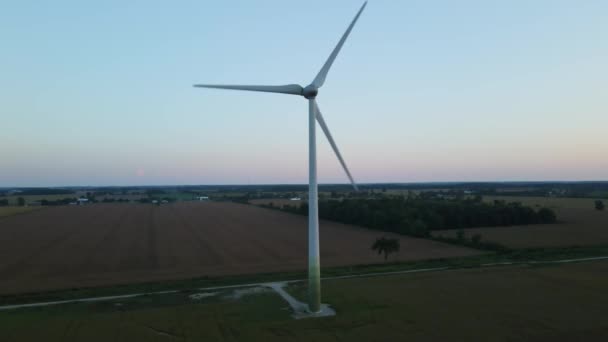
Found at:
[325, 129]
[320, 79]
[292, 89]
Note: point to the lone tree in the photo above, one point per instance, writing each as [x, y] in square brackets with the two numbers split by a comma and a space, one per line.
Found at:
[386, 246]
[547, 215]
[21, 201]
[599, 205]
[460, 235]
[476, 239]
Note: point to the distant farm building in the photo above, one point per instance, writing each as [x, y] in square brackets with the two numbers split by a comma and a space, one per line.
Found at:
[202, 198]
[295, 199]
[82, 201]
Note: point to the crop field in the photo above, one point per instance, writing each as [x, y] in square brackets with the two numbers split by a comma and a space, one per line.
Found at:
[103, 244]
[277, 202]
[579, 224]
[9, 211]
[543, 303]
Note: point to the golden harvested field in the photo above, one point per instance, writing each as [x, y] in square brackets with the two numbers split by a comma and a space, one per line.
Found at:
[579, 225]
[103, 244]
[9, 211]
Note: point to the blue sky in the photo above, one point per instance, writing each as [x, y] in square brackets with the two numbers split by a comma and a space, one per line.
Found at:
[99, 93]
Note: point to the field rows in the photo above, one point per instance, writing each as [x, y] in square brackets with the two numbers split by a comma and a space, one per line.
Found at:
[103, 244]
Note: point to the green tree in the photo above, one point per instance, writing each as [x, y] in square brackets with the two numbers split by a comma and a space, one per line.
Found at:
[460, 235]
[547, 215]
[476, 239]
[599, 205]
[419, 228]
[21, 201]
[386, 246]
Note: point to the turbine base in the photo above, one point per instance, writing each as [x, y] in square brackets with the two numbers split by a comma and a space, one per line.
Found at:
[326, 311]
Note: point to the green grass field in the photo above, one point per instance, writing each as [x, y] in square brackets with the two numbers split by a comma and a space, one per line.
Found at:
[514, 303]
[153, 318]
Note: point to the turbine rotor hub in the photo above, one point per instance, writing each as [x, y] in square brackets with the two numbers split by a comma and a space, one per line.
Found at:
[310, 92]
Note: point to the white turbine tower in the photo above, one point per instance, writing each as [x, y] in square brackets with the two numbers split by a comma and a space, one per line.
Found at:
[310, 92]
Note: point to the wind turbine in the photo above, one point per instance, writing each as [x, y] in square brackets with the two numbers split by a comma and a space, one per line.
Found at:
[309, 92]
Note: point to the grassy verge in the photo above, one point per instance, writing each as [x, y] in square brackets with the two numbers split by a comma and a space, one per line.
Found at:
[148, 318]
[515, 303]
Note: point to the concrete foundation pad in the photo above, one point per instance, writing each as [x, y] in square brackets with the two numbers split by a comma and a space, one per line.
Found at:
[300, 310]
[326, 311]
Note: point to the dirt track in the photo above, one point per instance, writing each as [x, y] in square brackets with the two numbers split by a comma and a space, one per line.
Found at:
[104, 244]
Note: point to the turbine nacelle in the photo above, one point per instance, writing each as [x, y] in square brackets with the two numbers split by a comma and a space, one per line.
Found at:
[310, 92]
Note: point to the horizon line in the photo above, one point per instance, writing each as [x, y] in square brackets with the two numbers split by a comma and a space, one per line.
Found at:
[305, 184]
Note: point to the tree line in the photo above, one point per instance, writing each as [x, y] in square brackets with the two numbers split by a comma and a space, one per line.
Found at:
[419, 216]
